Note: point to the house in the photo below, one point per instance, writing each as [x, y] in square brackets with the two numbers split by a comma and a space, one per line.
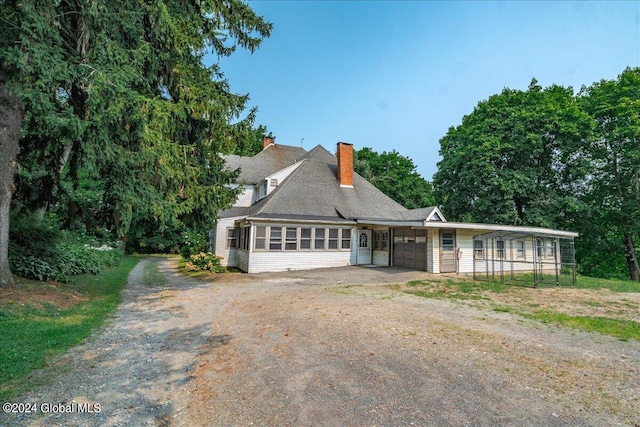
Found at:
[309, 209]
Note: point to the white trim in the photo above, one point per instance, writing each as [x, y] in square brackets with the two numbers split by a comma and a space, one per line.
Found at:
[435, 212]
[392, 223]
[468, 226]
[498, 227]
[300, 221]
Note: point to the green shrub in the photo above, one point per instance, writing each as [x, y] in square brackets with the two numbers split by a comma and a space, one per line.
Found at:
[39, 250]
[147, 237]
[205, 261]
[194, 242]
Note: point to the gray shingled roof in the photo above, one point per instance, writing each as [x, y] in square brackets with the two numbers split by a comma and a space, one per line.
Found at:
[313, 192]
[267, 162]
[417, 214]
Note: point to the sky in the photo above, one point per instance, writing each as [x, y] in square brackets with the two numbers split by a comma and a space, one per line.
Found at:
[396, 75]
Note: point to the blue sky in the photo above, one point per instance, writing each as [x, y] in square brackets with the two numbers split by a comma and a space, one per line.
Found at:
[395, 75]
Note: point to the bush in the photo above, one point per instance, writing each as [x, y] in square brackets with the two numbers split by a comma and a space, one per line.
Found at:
[146, 237]
[39, 250]
[195, 242]
[205, 261]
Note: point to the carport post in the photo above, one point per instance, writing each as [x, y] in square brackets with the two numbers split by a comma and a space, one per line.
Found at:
[556, 242]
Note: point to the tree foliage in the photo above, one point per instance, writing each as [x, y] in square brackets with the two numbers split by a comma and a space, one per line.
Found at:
[513, 160]
[396, 176]
[612, 230]
[549, 157]
[118, 92]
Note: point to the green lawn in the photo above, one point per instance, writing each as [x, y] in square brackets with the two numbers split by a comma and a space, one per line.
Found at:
[490, 292]
[34, 330]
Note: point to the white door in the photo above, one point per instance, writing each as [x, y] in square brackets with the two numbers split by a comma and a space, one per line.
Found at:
[364, 246]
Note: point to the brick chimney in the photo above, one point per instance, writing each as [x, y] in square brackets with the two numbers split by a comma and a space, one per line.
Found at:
[267, 141]
[345, 164]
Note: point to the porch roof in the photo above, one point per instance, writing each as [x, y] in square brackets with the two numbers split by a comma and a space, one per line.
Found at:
[480, 227]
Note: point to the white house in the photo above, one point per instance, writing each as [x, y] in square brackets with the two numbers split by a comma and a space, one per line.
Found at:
[303, 210]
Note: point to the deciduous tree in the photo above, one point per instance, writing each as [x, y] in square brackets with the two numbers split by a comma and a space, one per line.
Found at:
[516, 159]
[396, 176]
[614, 226]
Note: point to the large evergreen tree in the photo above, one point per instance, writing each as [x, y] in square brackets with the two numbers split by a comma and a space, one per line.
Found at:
[120, 90]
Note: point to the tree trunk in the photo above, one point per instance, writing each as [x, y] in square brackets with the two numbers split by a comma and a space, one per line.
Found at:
[630, 255]
[11, 115]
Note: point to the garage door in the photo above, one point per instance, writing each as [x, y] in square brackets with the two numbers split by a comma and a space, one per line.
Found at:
[410, 248]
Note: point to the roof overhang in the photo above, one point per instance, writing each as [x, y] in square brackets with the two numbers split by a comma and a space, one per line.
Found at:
[498, 227]
[301, 219]
[390, 223]
[479, 227]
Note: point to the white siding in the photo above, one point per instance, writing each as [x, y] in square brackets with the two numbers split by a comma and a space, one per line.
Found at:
[511, 260]
[284, 261]
[246, 198]
[435, 245]
[464, 243]
[430, 234]
[265, 260]
[381, 258]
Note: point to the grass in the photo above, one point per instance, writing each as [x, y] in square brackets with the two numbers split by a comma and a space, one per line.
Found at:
[151, 276]
[33, 332]
[614, 285]
[622, 329]
[582, 282]
[452, 289]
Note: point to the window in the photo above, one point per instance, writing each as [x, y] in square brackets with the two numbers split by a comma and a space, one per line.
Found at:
[232, 237]
[448, 241]
[346, 238]
[333, 239]
[274, 182]
[275, 239]
[291, 239]
[520, 249]
[550, 248]
[319, 239]
[546, 248]
[305, 238]
[364, 240]
[478, 249]
[261, 238]
[262, 190]
[500, 249]
[381, 240]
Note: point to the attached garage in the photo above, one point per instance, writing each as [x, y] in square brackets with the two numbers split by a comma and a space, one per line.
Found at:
[410, 248]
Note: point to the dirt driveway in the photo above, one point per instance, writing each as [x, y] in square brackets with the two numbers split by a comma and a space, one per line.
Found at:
[334, 348]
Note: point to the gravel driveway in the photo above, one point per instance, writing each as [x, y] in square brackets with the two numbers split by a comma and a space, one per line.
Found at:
[333, 347]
